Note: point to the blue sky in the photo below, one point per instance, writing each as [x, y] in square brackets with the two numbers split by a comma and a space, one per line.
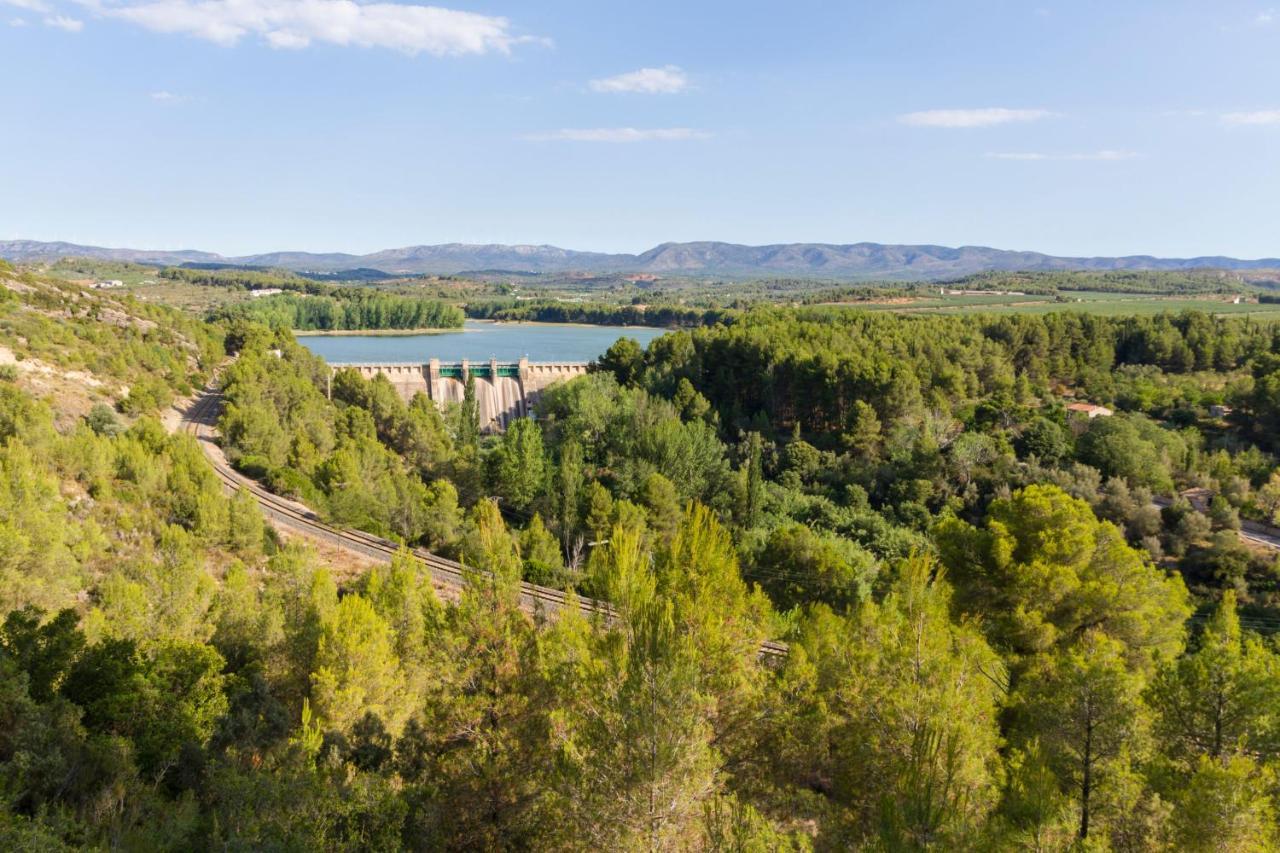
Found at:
[250, 125]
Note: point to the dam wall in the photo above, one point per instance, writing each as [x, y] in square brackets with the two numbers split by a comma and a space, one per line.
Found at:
[504, 390]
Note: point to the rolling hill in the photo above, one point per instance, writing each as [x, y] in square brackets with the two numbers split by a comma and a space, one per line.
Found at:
[814, 260]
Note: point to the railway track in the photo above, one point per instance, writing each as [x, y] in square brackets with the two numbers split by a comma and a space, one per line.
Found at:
[199, 422]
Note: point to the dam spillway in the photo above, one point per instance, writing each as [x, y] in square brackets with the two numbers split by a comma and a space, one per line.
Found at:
[504, 390]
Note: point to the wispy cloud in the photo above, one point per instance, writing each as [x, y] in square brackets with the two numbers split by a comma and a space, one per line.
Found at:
[62, 22]
[17, 22]
[1265, 18]
[666, 80]
[166, 97]
[29, 5]
[1106, 155]
[620, 134]
[295, 24]
[971, 118]
[1256, 117]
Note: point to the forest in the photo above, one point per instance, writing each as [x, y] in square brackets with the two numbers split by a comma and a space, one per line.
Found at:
[1009, 626]
[596, 313]
[349, 309]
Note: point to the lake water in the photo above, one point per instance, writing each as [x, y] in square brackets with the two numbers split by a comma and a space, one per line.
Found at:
[479, 340]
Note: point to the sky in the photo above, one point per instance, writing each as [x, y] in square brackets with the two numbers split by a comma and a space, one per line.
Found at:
[242, 126]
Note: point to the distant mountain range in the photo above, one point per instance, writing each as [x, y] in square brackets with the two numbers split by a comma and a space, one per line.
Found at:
[808, 260]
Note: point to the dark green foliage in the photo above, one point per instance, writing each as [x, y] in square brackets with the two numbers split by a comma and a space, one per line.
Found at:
[350, 309]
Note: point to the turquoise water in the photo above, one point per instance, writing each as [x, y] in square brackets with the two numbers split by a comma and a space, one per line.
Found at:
[479, 341]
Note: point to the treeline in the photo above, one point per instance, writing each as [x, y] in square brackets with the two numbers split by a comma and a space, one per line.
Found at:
[1181, 282]
[348, 310]
[779, 370]
[599, 314]
[245, 279]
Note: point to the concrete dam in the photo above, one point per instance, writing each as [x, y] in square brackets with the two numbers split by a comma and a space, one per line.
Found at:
[504, 390]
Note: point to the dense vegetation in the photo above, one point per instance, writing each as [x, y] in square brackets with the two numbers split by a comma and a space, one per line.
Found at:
[350, 309]
[1110, 281]
[596, 313]
[997, 639]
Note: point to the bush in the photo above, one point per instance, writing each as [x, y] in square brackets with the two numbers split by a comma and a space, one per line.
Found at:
[102, 420]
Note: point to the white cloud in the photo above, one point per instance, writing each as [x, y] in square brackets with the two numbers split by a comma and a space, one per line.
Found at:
[971, 118]
[295, 24]
[620, 134]
[166, 97]
[1106, 155]
[17, 22]
[1265, 17]
[29, 5]
[666, 80]
[1252, 118]
[62, 22]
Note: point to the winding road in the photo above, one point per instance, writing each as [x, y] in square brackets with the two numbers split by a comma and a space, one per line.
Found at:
[200, 420]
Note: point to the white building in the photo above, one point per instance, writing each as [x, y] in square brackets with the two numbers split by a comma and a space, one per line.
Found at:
[1090, 410]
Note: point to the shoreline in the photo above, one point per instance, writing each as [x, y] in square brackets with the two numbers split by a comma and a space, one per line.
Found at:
[370, 333]
[389, 333]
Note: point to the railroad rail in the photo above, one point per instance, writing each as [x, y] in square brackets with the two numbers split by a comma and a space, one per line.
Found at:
[199, 422]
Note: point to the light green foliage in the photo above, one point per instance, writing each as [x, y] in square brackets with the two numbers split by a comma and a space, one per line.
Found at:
[490, 547]
[895, 709]
[566, 492]
[357, 670]
[1044, 569]
[470, 756]
[1226, 806]
[401, 594]
[1221, 698]
[37, 564]
[1084, 708]
[540, 553]
[635, 763]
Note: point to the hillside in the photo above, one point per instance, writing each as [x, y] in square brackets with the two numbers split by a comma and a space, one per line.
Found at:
[81, 347]
[820, 260]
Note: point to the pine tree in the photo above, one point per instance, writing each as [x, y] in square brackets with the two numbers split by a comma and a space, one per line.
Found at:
[1084, 707]
[356, 669]
[755, 481]
[1223, 697]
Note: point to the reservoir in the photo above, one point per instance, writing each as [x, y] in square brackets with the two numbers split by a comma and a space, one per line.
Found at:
[479, 340]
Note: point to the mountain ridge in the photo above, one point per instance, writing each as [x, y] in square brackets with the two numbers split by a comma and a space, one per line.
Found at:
[840, 261]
